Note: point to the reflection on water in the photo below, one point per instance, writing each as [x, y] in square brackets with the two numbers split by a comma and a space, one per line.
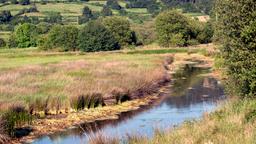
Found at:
[188, 98]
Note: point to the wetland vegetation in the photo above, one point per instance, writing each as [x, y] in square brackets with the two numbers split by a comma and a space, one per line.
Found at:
[74, 63]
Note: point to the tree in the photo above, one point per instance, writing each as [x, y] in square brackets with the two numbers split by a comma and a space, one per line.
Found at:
[236, 29]
[43, 28]
[173, 29]
[113, 4]
[87, 12]
[106, 11]
[5, 16]
[53, 17]
[2, 43]
[62, 37]
[95, 37]
[120, 28]
[26, 35]
[24, 2]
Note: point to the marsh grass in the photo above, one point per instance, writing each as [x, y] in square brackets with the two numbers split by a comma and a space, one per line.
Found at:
[59, 81]
[17, 116]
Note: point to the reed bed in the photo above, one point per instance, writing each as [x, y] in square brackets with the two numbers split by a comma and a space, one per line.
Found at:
[63, 84]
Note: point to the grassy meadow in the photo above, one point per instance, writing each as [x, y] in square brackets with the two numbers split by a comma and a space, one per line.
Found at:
[54, 80]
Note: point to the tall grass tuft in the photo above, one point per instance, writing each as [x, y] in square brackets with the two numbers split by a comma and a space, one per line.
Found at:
[4, 138]
[17, 116]
[100, 138]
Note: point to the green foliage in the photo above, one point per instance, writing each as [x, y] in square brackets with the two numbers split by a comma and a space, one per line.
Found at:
[205, 35]
[2, 43]
[145, 32]
[24, 2]
[113, 4]
[173, 29]
[5, 16]
[63, 37]
[53, 17]
[26, 35]
[236, 27]
[87, 12]
[15, 117]
[43, 28]
[106, 11]
[120, 28]
[95, 37]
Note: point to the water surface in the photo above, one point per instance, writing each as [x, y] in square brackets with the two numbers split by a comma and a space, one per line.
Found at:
[187, 97]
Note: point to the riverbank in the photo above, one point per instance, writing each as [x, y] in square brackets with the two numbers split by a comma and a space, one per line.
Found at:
[61, 122]
[233, 123]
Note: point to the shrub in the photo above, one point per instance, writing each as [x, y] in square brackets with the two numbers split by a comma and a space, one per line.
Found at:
[87, 12]
[43, 28]
[12, 43]
[145, 32]
[2, 43]
[63, 37]
[16, 116]
[95, 37]
[113, 4]
[206, 34]
[236, 27]
[26, 35]
[53, 17]
[5, 16]
[173, 29]
[106, 11]
[121, 30]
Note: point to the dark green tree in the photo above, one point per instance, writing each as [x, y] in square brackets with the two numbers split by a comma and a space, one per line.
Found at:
[95, 37]
[106, 11]
[60, 37]
[87, 12]
[120, 28]
[53, 17]
[236, 29]
[113, 4]
[5, 16]
[173, 29]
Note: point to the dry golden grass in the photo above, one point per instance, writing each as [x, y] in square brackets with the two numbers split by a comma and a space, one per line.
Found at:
[52, 85]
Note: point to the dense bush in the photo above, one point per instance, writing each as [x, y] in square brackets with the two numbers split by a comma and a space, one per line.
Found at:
[95, 37]
[26, 35]
[205, 35]
[53, 17]
[5, 16]
[236, 27]
[43, 28]
[62, 37]
[140, 3]
[173, 29]
[145, 32]
[120, 28]
[2, 43]
[113, 4]
[87, 15]
[106, 11]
